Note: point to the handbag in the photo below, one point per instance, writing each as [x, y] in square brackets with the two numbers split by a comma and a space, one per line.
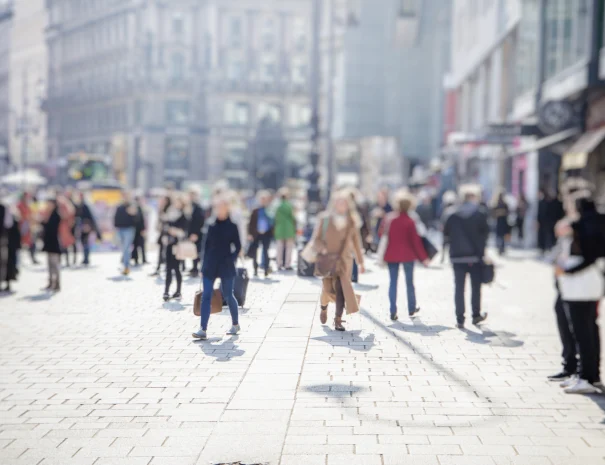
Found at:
[185, 250]
[216, 305]
[327, 263]
[429, 248]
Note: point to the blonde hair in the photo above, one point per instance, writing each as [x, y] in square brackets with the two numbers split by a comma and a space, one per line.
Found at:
[404, 201]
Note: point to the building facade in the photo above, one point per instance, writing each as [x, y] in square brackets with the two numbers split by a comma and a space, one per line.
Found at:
[6, 21]
[389, 76]
[28, 68]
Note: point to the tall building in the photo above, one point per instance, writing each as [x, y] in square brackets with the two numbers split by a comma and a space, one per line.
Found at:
[181, 90]
[126, 78]
[389, 75]
[28, 68]
[6, 16]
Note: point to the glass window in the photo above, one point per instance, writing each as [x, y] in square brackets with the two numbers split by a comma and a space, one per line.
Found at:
[177, 153]
[299, 34]
[268, 34]
[177, 66]
[177, 24]
[299, 71]
[408, 7]
[300, 115]
[235, 69]
[177, 112]
[268, 69]
[526, 60]
[272, 111]
[237, 113]
[235, 32]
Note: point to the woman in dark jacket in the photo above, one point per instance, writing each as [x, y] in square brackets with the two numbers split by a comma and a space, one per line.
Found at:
[404, 248]
[221, 247]
[163, 207]
[14, 245]
[500, 212]
[581, 285]
[52, 245]
[176, 229]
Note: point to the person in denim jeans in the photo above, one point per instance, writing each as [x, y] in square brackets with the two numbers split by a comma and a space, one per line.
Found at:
[221, 247]
[404, 248]
[125, 224]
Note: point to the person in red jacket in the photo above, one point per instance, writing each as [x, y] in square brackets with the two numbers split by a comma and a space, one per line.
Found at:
[404, 248]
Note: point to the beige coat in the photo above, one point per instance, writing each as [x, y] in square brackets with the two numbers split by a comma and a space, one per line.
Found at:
[332, 242]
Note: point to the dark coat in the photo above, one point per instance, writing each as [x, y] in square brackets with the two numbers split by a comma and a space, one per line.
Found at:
[404, 243]
[14, 244]
[196, 224]
[123, 218]
[50, 234]
[500, 213]
[221, 247]
[87, 221]
[253, 224]
[468, 230]
[588, 239]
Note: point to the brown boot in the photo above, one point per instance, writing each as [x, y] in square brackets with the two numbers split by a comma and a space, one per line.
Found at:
[338, 324]
[323, 315]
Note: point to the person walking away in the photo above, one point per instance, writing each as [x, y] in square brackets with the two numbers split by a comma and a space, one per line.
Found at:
[337, 232]
[468, 230]
[500, 212]
[522, 207]
[163, 206]
[52, 245]
[140, 232]
[221, 248]
[569, 353]
[196, 228]
[425, 212]
[26, 225]
[67, 226]
[403, 249]
[87, 224]
[449, 200]
[177, 227]
[380, 210]
[285, 230]
[125, 224]
[364, 229]
[260, 232]
[582, 287]
[13, 246]
[6, 223]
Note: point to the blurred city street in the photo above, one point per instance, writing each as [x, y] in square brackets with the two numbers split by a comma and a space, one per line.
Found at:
[105, 373]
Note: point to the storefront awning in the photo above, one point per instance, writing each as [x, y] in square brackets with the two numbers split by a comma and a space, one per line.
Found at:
[577, 156]
[545, 142]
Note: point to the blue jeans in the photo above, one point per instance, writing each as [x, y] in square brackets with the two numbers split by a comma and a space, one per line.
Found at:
[126, 236]
[408, 268]
[227, 290]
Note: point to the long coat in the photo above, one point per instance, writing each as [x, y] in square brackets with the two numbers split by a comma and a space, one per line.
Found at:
[332, 242]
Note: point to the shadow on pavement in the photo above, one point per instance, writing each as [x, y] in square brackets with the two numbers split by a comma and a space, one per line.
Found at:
[492, 338]
[223, 352]
[173, 306]
[350, 339]
[418, 327]
[43, 296]
[333, 390]
[119, 279]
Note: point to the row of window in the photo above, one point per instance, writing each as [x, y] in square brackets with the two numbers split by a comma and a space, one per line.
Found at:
[110, 118]
[244, 114]
[269, 68]
[269, 32]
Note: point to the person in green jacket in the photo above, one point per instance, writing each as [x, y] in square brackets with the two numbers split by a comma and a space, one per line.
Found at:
[285, 230]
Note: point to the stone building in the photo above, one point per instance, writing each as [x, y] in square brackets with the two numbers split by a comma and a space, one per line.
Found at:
[6, 15]
[182, 86]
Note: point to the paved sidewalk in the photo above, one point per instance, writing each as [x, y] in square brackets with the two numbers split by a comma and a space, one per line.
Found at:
[105, 373]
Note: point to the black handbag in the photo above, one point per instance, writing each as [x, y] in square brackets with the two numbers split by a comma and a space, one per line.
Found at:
[429, 248]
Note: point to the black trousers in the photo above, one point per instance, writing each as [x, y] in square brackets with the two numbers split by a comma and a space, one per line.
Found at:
[460, 272]
[161, 253]
[172, 264]
[583, 319]
[196, 262]
[139, 245]
[263, 240]
[568, 341]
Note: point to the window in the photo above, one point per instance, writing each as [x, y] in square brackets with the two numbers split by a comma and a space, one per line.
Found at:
[237, 113]
[299, 71]
[299, 35]
[268, 69]
[526, 60]
[177, 25]
[268, 34]
[273, 111]
[235, 69]
[177, 66]
[408, 8]
[177, 153]
[235, 32]
[177, 112]
[300, 115]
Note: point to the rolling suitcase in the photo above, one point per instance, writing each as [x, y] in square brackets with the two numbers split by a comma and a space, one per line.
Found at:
[304, 268]
[240, 287]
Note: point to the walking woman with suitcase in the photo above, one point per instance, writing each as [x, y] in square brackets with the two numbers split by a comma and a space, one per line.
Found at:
[221, 248]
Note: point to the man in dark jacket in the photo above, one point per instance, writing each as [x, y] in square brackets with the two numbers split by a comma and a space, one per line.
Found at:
[196, 228]
[260, 232]
[125, 224]
[139, 234]
[87, 224]
[468, 231]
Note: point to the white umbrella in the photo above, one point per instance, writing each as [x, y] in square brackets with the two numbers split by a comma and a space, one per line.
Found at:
[28, 178]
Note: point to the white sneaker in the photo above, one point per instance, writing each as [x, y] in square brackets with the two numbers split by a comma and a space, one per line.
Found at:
[200, 334]
[573, 379]
[581, 387]
[234, 330]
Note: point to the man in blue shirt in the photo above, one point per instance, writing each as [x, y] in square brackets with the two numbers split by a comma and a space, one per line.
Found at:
[260, 232]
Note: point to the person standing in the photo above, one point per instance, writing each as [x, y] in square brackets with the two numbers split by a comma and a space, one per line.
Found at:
[260, 232]
[140, 233]
[545, 222]
[221, 248]
[52, 245]
[26, 226]
[449, 200]
[500, 212]
[67, 226]
[403, 249]
[125, 224]
[177, 227]
[522, 207]
[11, 270]
[87, 225]
[196, 228]
[425, 212]
[285, 230]
[582, 287]
[468, 230]
[164, 205]
[337, 232]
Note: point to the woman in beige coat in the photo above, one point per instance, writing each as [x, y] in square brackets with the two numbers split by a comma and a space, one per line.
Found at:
[337, 230]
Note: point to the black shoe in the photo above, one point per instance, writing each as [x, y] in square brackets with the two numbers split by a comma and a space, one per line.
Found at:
[460, 325]
[177, 296]
[415, 311]
[394, 317]
[166, 297]
[267, 272]
[193, 274]
[560, 376]
[478, 319]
